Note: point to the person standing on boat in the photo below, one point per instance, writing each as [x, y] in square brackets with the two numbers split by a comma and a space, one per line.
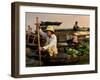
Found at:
[76, 27]
[51, 41]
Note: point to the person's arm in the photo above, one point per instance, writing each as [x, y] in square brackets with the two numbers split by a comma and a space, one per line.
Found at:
[52, 43]
[75, 39]
[43, 34]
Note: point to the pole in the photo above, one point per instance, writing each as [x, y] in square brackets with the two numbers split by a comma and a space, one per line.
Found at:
[38, 33]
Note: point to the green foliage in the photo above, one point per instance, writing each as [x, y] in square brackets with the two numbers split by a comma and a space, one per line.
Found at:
[72, 51]
[81, 49]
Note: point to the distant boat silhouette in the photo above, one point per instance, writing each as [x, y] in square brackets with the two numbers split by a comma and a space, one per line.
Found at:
[50, 23]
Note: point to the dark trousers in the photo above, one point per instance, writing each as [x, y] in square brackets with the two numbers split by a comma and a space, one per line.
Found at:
[45, 57]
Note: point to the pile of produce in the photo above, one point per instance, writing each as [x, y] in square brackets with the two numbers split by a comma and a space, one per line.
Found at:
[81, 49]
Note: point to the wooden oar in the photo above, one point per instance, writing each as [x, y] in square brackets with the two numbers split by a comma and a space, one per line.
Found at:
[38, 32]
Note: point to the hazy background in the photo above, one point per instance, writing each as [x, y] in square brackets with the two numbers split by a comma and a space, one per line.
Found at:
[66, 19]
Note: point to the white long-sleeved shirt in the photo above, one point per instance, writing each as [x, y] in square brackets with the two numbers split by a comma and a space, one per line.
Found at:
[51, 41]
